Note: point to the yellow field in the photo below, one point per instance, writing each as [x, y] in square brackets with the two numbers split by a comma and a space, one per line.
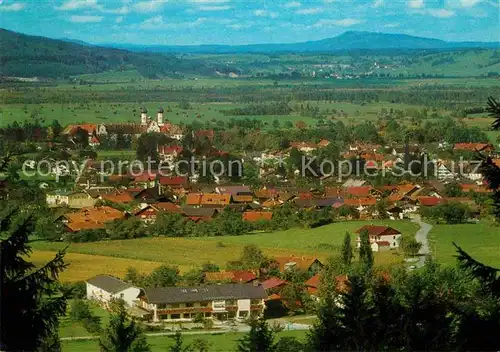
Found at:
[84, 266]
[114, 257]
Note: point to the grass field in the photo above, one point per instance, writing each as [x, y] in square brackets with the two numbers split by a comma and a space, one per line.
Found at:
[97, 112]
[69, 328]
[114, 257]
[84, 266]
[481, 240]
[218, 342]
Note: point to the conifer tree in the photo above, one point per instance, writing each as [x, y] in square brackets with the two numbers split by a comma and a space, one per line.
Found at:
[259, 338]
[31, 301]
[365, 250]
[346, 251]
[122, 334]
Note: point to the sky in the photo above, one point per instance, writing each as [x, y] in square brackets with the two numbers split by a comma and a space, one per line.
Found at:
[189, 22]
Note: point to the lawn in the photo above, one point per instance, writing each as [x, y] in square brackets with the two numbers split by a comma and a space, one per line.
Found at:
[481, 240]
[84, 266]
[218, 342]
[69, 328]
[115, 256]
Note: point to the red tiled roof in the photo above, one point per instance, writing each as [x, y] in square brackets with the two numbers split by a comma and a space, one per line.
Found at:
[253, 216]
[313, 281]
[175, 149]
[193, 199]
[272, 283]
[242, 199]
[374, 230]
[173, 180]
[120, 198]
[144, 177]
[429, 201]
[243, 276]
[215, 199]
[360, 201]
[167, 207]
[472, 146]
[363, 191]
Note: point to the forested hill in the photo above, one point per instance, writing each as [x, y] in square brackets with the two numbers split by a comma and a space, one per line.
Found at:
[30, 56]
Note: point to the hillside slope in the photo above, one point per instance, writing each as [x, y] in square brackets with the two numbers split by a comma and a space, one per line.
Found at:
[31, 56]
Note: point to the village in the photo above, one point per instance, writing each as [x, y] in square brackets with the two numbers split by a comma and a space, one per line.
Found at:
[158, 202]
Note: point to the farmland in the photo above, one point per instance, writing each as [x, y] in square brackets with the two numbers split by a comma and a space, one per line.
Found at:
[88, 258]
[481, 240]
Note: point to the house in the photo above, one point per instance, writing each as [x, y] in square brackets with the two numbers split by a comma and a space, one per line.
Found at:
[169, 153]
[174, 181]
[312, 285]
[304, 147]
[149, 213]
[380, 237]
[234, 190]
[239, 276]
[214, 199]
[255, 216]
[91, 218]
[218, 302]
[119, 198]
[309, 264]
[363, 191]
[474, 147]
[443, 172]
[74, 200]
[105, 288]
[199, 214]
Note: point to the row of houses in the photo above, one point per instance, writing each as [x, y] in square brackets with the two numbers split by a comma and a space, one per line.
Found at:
[224, 295]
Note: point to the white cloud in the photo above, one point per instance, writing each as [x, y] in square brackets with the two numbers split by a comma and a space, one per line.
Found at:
[265, 13]
[214, 8]
[86, 19]
[72, 5]
[441, 13]
[119, 19]
[157, 22]
[237, 26]
[346, 22]
[14, 7]
[378, 3]
[392, 25]
[149, 6]
[468, 3]
[309, 11]
[416, 4]
[118, 11]
[292, 4]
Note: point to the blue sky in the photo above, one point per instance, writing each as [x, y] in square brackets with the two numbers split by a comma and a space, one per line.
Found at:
[248, 21]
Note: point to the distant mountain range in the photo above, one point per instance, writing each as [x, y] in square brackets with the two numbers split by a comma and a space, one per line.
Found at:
[31, 56]
[351, 40]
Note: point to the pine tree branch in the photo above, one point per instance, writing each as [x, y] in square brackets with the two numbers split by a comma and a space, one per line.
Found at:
[487, 275]
[494, 111]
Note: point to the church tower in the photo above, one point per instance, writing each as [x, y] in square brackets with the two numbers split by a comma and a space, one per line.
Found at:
[160, 117]
[144, 116]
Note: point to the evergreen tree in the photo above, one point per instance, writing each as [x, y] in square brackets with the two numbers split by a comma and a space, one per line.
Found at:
[347, 251]
[122, 334]
[365, 250]
[327, 333]
[259, 338]
[178, 345]
[31, 300]
[357, 314]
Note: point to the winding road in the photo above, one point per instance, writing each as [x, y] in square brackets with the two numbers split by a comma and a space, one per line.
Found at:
[421, 236]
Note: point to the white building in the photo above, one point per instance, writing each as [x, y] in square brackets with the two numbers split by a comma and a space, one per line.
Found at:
[105, 288]
[220, 302]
